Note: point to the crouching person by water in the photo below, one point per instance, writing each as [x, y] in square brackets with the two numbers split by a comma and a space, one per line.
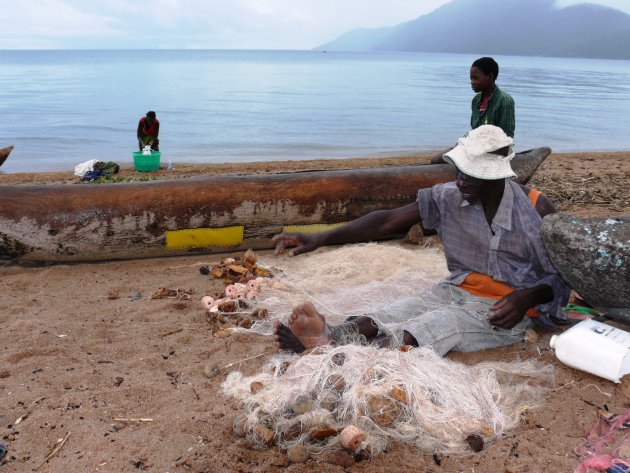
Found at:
[501, 280]
[148, 131]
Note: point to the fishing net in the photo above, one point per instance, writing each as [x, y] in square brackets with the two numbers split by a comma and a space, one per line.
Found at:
[377, 395]
[415, 397]
[348, 281]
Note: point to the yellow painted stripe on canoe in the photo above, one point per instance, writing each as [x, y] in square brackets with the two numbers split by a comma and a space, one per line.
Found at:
[200, 237]
[314, 228]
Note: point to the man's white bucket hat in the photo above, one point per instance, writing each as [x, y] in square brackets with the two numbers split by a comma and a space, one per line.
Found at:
[474, 155]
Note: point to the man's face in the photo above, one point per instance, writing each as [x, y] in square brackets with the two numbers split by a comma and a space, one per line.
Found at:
[470, 187]
[479, 80]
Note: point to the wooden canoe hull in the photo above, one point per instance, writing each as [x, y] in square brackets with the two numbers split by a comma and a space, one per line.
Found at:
[136, 220]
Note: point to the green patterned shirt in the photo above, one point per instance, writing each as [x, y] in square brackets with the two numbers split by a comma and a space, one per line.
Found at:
[499, 112]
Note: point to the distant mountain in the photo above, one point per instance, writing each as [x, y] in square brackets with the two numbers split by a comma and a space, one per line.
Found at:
[510, 27]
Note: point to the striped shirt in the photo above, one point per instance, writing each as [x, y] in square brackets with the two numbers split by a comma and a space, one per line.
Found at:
[510, 250]
[499, 112]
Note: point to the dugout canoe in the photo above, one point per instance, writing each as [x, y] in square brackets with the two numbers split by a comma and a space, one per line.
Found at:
[4, 154]
[207, 214]
[593, 256]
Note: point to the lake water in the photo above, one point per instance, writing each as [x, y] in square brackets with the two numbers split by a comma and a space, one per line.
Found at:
[60, 108]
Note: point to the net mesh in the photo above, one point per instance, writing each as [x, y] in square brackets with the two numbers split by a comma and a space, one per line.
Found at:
[348, 281]
[415, 397]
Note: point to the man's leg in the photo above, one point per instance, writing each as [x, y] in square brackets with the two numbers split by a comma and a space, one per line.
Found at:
[443, 317]
[307, 328]
[451, 319]
[392, 319]
[285, 340]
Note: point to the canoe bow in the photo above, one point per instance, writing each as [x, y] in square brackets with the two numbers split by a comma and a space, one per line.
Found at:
[4, 154]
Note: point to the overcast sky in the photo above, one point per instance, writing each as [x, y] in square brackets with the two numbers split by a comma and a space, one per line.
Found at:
[207, 24]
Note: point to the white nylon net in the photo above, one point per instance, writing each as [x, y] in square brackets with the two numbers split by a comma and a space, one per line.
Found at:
[415, 397]
[348, 281]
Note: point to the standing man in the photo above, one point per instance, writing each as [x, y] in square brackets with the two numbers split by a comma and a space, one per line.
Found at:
[148, 130]
[490, 105]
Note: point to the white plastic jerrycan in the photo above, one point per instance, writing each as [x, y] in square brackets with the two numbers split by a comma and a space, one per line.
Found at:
[594, 347]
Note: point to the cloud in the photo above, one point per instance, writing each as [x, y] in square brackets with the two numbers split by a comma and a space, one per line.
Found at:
[43, 22]
[283, 24]
[220, 24]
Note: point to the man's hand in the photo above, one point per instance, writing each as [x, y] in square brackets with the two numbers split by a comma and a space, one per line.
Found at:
[302, 243]
[508, 312]
[511, 309]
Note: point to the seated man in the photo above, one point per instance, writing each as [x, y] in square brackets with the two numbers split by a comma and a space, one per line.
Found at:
[501, 280]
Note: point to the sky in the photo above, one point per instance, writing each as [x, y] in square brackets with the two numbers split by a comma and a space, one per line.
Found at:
[203, 24]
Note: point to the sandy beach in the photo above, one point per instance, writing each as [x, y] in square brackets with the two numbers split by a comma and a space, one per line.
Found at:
[133, 383]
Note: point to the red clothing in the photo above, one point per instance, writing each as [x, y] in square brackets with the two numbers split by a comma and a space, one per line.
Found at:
[484, 103]
[152, 129]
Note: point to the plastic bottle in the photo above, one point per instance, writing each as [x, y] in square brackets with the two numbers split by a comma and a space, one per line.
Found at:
[596, 348]
[170, 166]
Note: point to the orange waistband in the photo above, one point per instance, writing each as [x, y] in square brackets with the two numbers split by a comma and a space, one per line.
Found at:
[482, 285]
[533, 196]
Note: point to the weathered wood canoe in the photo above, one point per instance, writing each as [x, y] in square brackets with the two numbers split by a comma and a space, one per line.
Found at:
[4, 154]
[593, 257]
[203, 214]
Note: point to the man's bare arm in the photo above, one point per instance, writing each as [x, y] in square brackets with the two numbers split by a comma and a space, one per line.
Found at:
[375, 225]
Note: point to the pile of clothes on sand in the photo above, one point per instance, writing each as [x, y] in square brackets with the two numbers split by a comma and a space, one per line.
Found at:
[94, 169]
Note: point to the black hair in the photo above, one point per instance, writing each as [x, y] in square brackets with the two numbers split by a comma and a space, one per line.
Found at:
[151, 114]
[487, 66]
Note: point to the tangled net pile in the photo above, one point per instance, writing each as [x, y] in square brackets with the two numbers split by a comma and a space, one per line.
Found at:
[348, 281]
[415, 397]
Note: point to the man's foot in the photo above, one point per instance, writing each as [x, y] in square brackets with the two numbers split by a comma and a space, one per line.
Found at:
[309, 326]
[285, 340]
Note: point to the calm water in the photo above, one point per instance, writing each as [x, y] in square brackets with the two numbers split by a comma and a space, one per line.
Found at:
[60, 108]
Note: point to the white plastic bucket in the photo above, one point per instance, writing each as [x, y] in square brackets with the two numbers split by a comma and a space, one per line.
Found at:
[596, 348]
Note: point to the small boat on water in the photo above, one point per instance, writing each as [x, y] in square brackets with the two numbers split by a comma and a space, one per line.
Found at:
[4, 154]
[207, 214]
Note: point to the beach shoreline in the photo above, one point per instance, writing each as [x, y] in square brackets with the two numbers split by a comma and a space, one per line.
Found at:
[190, 169]
[85, 345]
